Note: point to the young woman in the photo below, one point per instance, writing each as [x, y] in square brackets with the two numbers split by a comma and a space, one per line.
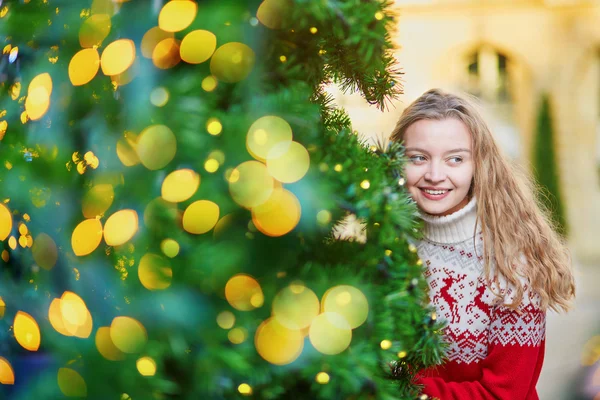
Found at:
[494, 263]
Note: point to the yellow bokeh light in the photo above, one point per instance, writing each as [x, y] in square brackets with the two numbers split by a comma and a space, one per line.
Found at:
[159, 96]
[237, 335]
[7, 374]
[209, 83]
[56, 319]
[103, 7]
[117, 57]
[27, 331]
[2, 303]
[180, 185]
[278, 344]
[200, 217]
[222, 226]
[128, 335]
[385, 344]
[226, 320]
[239, 291]
[211, 165]
[105, 345]
[338, 168]
[23, 229]
[94, 30]
[379, 15]
[23, 241]
[120, 227]
[5, 222]
[86, 237]
[402, 354]
[272, 13]
[146, 366]
[330, 333]
[45, 252]
[323, 217]
[245, 389]
[97, 200]
[347, 301]
[3, 129]
[322, 378]
[250, 184]
[37, 103]
[71, 384]
[175, 16]
[365, 184]
[232, 62]
[43, 80]
[214, 126]
[278, 215]
[126, 150]
[166, 53]
[155, 272]
[12, 242]
[266, 133]
[73, 309]
[5, 257]
[198, 46]
[288, 162]
[84, 66]
[151, 38]
[295, 309]
[169, 247]
[156, 146]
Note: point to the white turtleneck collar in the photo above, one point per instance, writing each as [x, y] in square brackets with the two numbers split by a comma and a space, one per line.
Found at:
[453, 228]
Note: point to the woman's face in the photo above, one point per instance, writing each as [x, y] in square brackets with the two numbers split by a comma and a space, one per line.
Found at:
[440, 159]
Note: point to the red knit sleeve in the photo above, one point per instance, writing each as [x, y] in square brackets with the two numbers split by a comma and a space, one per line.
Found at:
[515, 354]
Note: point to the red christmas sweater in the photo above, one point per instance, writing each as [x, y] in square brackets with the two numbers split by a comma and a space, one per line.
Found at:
[494, 352]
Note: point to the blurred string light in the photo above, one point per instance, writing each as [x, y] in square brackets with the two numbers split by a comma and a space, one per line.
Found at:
[330, 333]
[71, 384]
[166, 53]
[156, 146]
[250, 184]
[86, 237]
[244, 293]
[232, 62]
[180, 185]
[278, 215]
[200, 217]
[175, 16]
[151, 38]
[84, 66]
[347, 301]
[295, 306]
[7, 374]
[26, 331]
[226, 320]
[120, 227]
[159, 96]
[105, 345]
[94, 30]
[278, 344]
[39, 91]
[169, 247]
[97, 200]
[126, 150]
[128, 334]
[146, 366]
[266, 133]
[271, 13]
[155, 272]
[44, 251]
[117, 57]
[322, 378]
[70, 316]
[5, 222]
[198, 46]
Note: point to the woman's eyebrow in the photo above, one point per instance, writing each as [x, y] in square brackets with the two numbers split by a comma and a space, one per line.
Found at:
[448, 152]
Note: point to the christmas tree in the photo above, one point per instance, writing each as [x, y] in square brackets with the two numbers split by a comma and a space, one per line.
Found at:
[172, 173]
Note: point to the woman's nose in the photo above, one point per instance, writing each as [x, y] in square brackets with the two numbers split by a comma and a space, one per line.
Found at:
[435, 173]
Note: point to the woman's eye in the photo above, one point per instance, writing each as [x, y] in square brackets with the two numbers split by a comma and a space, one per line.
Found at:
[456, 158]
[416, 158]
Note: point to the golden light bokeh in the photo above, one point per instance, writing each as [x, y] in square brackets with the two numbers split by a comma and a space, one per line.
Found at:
[5, 222]
[156, 146]
[103, 7]
[324, 217]
[43, 80]
[245, 389]
[7, 374]
[265, 133]
[278, 344]
[200, 217]
[86, 237]
[237, 335]
[2, 303]
[330, 333]
[97, 200]
[232, 62]
[12, 242]
[44, 251]
[385, 344]
[84, 66]
[214, 126]
[71, 384]
[117, 57]
[226, 320]
[120, 227]
[146, 366]
[198, 46]
[347, 301]
[271, 13]
[222, 226]
[37, 102]
[175, 16]
[209, 83]
[250, 184]
[151, 38]
[278, 215]
[166, 53]
[180, 185]
[155, 272]
[295, 306]
[288, 163]
[128, 335]
[94, 30]
[56, 319]
[73, 309]
[105, 345]
[322, 378]
[159, 96]
[126, 151]
[169, 247]
[244, 293]
[27, 332]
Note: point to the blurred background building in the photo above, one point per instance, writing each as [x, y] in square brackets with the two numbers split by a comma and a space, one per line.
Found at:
[509, 53]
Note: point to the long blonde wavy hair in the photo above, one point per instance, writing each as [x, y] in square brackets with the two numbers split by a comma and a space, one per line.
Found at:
[514, 223]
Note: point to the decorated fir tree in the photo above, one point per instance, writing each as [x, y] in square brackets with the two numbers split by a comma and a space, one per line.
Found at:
[171, 176]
